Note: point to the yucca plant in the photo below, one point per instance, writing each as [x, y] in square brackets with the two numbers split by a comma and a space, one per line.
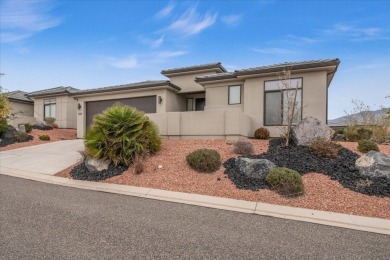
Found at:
[120, 133]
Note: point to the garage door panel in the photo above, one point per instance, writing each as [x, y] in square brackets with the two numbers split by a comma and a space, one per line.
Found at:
[145, 104]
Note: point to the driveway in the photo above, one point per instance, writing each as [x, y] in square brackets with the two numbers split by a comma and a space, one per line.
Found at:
[47, 158]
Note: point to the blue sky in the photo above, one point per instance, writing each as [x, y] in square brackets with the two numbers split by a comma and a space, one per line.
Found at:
[89, 44]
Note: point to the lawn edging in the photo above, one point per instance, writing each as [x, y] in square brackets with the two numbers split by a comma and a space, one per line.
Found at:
[369, 224]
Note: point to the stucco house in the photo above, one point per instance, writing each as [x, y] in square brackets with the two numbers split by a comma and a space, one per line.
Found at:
[22, 108]
[202, 101]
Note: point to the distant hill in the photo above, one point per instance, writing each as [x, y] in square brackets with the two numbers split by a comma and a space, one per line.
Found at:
[344, 120]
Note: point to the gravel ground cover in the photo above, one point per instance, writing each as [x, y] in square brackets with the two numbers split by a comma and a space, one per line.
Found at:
[55, 135]
[168, 170]
[9, 141]
[300, 158]
[80, 172]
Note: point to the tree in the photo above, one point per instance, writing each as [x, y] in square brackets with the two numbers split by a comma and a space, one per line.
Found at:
[290, 107]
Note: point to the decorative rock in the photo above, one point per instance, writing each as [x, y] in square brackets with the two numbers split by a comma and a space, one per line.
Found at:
[42, 126]
[22, 129]
[374, 164]
[310, 128]
[254, 168]
[10, 133]
[339, 137]
[94, 165]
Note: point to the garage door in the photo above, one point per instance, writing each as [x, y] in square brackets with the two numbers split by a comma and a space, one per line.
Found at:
[146, 104]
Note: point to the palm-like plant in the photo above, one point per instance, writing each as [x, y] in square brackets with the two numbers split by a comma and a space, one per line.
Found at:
[120, 133]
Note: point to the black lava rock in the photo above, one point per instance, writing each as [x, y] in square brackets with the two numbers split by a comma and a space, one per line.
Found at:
[80, 172]
[8, 141]
[42, 126]
[341, 168]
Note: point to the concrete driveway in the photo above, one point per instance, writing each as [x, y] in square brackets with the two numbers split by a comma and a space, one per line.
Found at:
[47, 158]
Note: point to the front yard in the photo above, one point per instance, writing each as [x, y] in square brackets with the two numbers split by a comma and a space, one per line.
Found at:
[168, 170]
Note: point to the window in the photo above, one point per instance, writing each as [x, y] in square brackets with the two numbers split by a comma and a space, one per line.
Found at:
[190, 104]
[199, 104]
[279, 99]
[49, 107]
[234, 95]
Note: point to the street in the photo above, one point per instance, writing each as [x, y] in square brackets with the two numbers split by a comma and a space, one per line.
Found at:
[45, 221]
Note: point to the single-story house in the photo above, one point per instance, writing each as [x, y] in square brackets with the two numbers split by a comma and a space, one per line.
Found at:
[22, 108]
[202, 101]
[55, 102]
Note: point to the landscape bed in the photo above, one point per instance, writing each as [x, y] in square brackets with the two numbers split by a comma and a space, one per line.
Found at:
[168, 170]
[55, 135]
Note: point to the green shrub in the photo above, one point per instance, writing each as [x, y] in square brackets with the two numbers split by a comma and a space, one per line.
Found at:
[339, 132]
[364, 133]
[285, 181]
[262, 133]
[365, 146]
[49, 120]
[28, 127]
[351, 134]
[3, 126]
[242, 147]
[324, 148]
[204, 160]
[44, 137]
[120, 133]
[22, 137]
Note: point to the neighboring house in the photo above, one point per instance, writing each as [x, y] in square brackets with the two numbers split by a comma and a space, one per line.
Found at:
[202, 101]
[57, 103]
[22, 108]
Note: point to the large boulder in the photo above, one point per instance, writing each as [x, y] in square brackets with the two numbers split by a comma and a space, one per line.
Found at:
[42, 126]
[96, 165]
[310, 128]
[374, 164]
[254, 168]
[22, 129]
[10, 133]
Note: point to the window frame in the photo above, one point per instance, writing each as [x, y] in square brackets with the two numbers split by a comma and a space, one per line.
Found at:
[281, 91]
[48, 102]
[229, 87]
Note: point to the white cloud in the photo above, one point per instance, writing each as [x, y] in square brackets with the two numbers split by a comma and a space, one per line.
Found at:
[22, 19]
[170, 54]
[157, 43]
[356, 33]
[231, 20]
[273, 51]
[300, 39]
[166, 11]
[191, 22]
[130, 62]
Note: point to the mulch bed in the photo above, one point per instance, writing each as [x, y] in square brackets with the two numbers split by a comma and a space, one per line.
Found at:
[80, 172]
[303, 160]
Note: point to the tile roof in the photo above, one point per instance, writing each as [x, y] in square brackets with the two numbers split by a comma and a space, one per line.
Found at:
[214, 65]
[137, 85]
[52, 91]
[271, 68]
[19, 95]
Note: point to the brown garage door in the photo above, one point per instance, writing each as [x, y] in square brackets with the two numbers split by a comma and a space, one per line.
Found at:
[146, 104]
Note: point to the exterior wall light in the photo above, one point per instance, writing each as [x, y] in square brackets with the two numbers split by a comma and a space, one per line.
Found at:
[159, 99]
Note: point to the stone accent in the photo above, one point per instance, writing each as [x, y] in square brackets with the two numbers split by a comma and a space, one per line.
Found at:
[310, 128]
[254, 168]
[94, 165]
[10, 133]
[22, 129]
[374, 164]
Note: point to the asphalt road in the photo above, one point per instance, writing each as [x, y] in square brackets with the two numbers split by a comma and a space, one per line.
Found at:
[44, 221]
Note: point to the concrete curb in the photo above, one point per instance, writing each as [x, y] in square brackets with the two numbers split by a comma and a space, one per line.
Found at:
[376, 225]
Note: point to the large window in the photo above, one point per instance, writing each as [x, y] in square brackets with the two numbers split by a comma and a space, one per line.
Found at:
[234, 95]
[49, 107]
[279, 101]
[190, 104]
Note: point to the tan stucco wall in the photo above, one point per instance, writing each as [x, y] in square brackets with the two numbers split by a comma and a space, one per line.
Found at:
[170, 102]
[252, 98]
[22, 109]
[187, 82]
[65, 111]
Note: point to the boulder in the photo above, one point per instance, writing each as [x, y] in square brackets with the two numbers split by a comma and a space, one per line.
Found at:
[42, 126]
[254, 168]
[374, 164]
[22, 129]
[310, 128]
[11, 132]
[96, 165]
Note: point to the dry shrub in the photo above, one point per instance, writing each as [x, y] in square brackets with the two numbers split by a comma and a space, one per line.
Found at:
[243, 148]
[324, 148]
